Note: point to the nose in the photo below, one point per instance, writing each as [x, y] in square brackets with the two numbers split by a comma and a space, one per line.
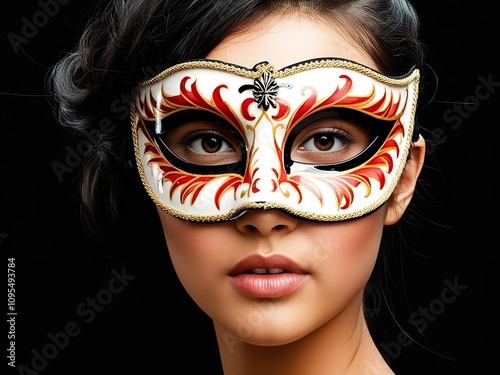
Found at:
[265, 223]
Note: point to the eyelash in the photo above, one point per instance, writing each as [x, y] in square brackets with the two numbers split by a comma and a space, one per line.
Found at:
[199, 134]
[337, 132]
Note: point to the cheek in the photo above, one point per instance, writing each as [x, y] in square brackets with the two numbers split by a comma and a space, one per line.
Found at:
[364, 239]
[353, 249]
[194, 254]
[185, 244]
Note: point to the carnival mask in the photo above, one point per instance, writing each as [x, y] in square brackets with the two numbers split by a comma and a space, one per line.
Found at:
[323, 139]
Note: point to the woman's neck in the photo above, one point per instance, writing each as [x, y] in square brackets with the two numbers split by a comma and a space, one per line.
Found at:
[341, 346]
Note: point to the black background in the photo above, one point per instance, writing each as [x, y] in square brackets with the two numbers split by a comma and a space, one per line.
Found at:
[151, 326]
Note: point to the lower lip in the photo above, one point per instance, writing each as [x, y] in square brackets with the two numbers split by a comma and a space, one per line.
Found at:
[268, 286]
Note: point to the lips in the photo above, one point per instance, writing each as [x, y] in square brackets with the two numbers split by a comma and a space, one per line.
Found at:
[267, 277]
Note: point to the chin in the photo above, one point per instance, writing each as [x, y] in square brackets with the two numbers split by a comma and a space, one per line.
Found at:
[270, 333]
[272, 340]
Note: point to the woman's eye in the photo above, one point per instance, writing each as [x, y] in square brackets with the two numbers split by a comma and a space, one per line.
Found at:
[207, 143]
[203, 142]
[326, 141]
[329, 141]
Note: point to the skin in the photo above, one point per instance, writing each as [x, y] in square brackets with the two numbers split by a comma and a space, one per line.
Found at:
[319, 328]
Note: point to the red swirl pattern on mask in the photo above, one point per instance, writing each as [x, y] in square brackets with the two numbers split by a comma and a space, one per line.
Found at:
[342, 184]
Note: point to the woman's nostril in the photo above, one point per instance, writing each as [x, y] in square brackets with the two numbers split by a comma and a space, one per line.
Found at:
[251, 228]
[265, 222]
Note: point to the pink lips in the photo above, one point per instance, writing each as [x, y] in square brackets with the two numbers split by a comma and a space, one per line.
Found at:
[267, 277]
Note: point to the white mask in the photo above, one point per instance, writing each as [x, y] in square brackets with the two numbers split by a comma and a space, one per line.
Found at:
[323, 139]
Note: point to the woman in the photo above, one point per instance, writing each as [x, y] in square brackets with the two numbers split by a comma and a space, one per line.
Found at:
[277, 141]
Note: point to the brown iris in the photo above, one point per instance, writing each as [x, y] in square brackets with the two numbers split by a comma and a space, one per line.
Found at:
[211, 144]
[324, 142]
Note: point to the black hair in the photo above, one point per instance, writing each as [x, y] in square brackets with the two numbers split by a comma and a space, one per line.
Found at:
[128, 41]
[131, 40]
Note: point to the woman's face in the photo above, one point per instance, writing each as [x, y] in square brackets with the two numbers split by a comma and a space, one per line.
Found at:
[234, 270]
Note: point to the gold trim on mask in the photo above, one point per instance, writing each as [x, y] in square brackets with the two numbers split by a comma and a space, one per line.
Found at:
[258, 69]
[255, 73]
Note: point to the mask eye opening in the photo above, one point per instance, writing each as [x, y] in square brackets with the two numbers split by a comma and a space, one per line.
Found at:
[378, 128]
[159, 129]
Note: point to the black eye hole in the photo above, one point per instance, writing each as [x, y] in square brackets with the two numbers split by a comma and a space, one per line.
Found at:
[200, 142]
[334, 139]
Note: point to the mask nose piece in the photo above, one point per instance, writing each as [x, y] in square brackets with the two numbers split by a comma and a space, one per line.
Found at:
[238, 215]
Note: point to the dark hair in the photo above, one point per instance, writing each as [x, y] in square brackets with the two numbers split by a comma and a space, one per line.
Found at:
[128, 41]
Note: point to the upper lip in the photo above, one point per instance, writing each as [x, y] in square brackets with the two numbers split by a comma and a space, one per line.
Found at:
[275, 261]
